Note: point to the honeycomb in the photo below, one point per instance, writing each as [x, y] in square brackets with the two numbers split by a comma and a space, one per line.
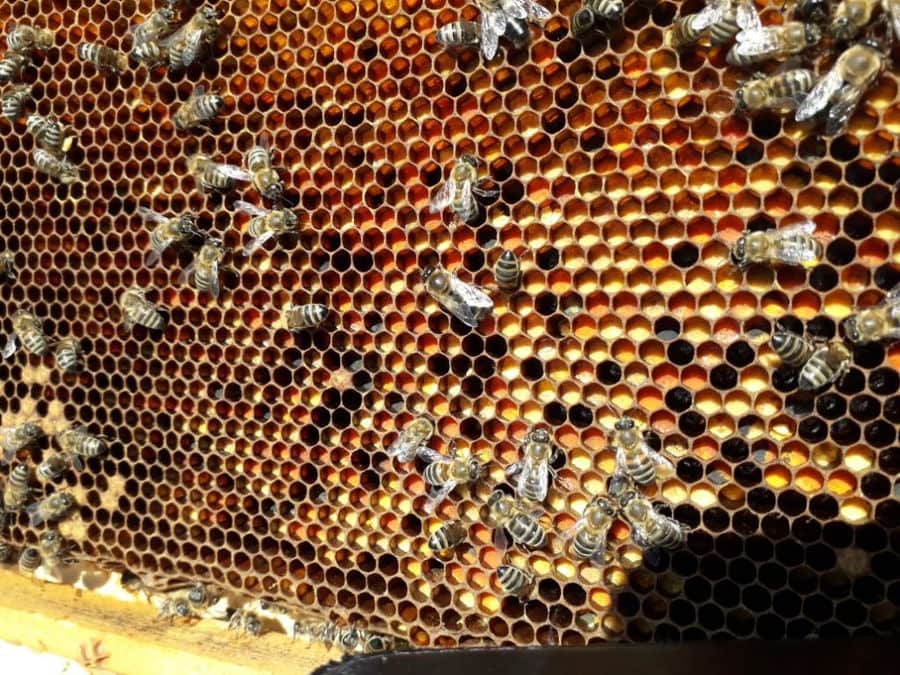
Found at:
[255, 458]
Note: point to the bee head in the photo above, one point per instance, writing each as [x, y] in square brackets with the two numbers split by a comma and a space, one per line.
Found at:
[210, 13]
[739, 252]
[539, 436]
[812, 33]
[197, 594]
[872, 43]
[474, 469]
[471, 160]
[624, 424]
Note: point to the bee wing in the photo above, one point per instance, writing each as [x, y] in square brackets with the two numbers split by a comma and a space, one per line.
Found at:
[536, 12]
[500, 539]
[442, 198]
[192, 48]
[639, 537]
[513, 469]
[214, 288]
[791, 251]
[493, 24]
[517, 9]
[757, 41]
[746, 16]
[430, 455]
[257, 242]
[402, 448]
[466, 300]
[572, 531]
[153, 257]
[248, 208]
[438, 496]
[662, 462]
[199, 90]
[149, 216]
[839, 113]
[235, 172]
[707, 16]
[35, 517]
[10, 347]
[819, 96]
[543, 473]
[187, 272]
[806, 227]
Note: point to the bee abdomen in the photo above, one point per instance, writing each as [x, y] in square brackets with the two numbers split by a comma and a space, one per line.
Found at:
[673, 536]
[722, 31]
[586, 545]
[29, 560]
[307, 316]
[527, 532]
[815, 373]
[12, 65]
[792, 349]
[642, 471]
[446, 537]
[507, 271]
[103, 57]
[36, 343]
[435, 474]
[258, 159]
[149, 318]
[512, 579]
[459, 34]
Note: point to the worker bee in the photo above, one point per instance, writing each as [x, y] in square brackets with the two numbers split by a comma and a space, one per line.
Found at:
[49, 133]
[412, 440]
[246, 622]
[68, 354]
[447, 536]
[350, 640]
[14, 99]
[137, 310]
[197, 601]
[851, 16]
[27, 330]
[781, 90]
[8, 265]
[496, 15]
[16, 490]
[467, 303]
[265, 224]
[827, 364]
[188, 43]
[11, 66]
[446, 472]
[515, 581]
[53, 466]
[198, 109]
[649, 528]
[756, 43]
[302, 317]
[54, 507]
[593, 12]
[534, 470]
[6, 549]
[792, 349]
[216, 175]
[459, 34]
[880, 322]
[29, 560]
[54, 552]
[634, 457]
[460, 190]
[266, 180]
[838, 93]
[13, 439]
[79, 443]
[507, 272]
[23, 38]
[46, 162]
[723, 18]
[103, 57]
[794, 245]
[205, 267]
[159, 23]
[166, 231]
[589, 534]
[150, 54]
[507, 513]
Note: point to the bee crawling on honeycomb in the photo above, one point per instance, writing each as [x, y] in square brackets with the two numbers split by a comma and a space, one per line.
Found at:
[193, 40]
[198, 601]
[595, 14]
[507, 18]
[461, 189]
[349, 639]
[876, 323]
[792, 245]
[466, 302]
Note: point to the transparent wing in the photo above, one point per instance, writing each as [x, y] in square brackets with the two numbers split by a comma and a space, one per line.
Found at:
[149, 216]
[517, 9]
[542, 473]
[467, 302]
[214, 288]
[746, 16]
[404, 447]
[235, 172]
[248, 208]
[572, 531]
[35, 517]
[258, 242]
[438, 496]
[639, 537]
[467, 200]
[442, 198]
[493, 24]
[793, 249]
[199, 91]
[192, 48]
[662, 462]
[513, 469]
[187, 273]
[757, 41]
[819, 96]
[537, 12]
[806, 227]
[430, 455]
[500, 539]
[842, 110]
[173, 38]
[153, 257]
[620, 461]
[707, 16]
[10, 347]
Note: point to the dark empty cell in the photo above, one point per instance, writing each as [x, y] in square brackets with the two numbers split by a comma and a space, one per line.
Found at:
[876, 198]
[351, 399]
[532, 369]
[320, 417]
[667, 328]
[740, 354]
[750, 152]
[858, 226]
[807, 529]
[682, 612]
[473, 259]
[711, 617]
[758, 548]
[886, 276]
[496, 346]
[723, 377]
[715, 519]
[875, 485]
[713, 568]
[473, 344]
[685, 254]
[823, 506]
[485, 367]
[786, 603]
[791, 502]
[887, 514]
[555, 414]
[460, 365]
[850, 612]
[884, 381]
[689, 469]
[818, 607]
[844, 148]
[840, 251]
[803, 580]
[741, 571]
[870, 355]
[547, 258]
[792, 324]
[868, 589]
[837, 534]
[757, 598]
[789, 552]
[766, 125]
[665, 632]
[772, 575]
[885, 565]
[687, 515]
[770, 627]
[812, 147]
[820, 557]
[726, 593]
[761, 499]
[740, 622]
[823, 278]
[681, 352]
[785, 379]
[880, 434]
[609, 372]
[692, 423]
[581, 416]
[864, 408]
[745, 522]
[472, 386]
[546, 303]
[851, 383]
[735, 449]
[747, 474]
[628, 604]
[438, 364]
[799, 404]
[821, 327]
[678, 399]
[684, 563]
[776, 526]
[889, 461]
[859, 173]
[812, 430]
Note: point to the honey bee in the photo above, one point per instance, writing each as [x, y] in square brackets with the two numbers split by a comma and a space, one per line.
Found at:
[593, 12]
[446, 472]
[159, 23]
[467, 303]
[205, 267]
[302, 317]
[54, 552]
[11, 66]
[187, 44]
[723, 18]
[49, 133]
[349, 639]
[827, 364]
[412, 440]
[781, 90]
[14, 99]
[507, 513]
[634, 457]
[6, 550]
[756, 43]
[150, 54]
[68, 354]
[534, 470]
[515, 581]
[27, 330]
[447, 536]
[79, 443]
[650, 529]
[167, 231]
[246, 622]
[16, 490]
[53, 466]
[459, 34]
[792, 349]
[880, 322]
[497, 15]
[794, 245]
[215, 175]
[8, 265]
[816, 11]
[266, 180]
[197, 601]
[13, 439]
[460, 190]
[589, 533]
[838, 93]
[23, 38]
[198, 109]
[46, 162]
[137, 310]
[103, 57]
[265, 224]
[54, 507]
[507, 272]
[29, 561]
[851, 16]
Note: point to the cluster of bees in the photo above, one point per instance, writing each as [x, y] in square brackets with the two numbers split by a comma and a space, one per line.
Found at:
[517, 517]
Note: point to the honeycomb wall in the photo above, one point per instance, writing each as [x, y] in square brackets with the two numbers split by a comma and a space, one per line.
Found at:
[254, 457]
